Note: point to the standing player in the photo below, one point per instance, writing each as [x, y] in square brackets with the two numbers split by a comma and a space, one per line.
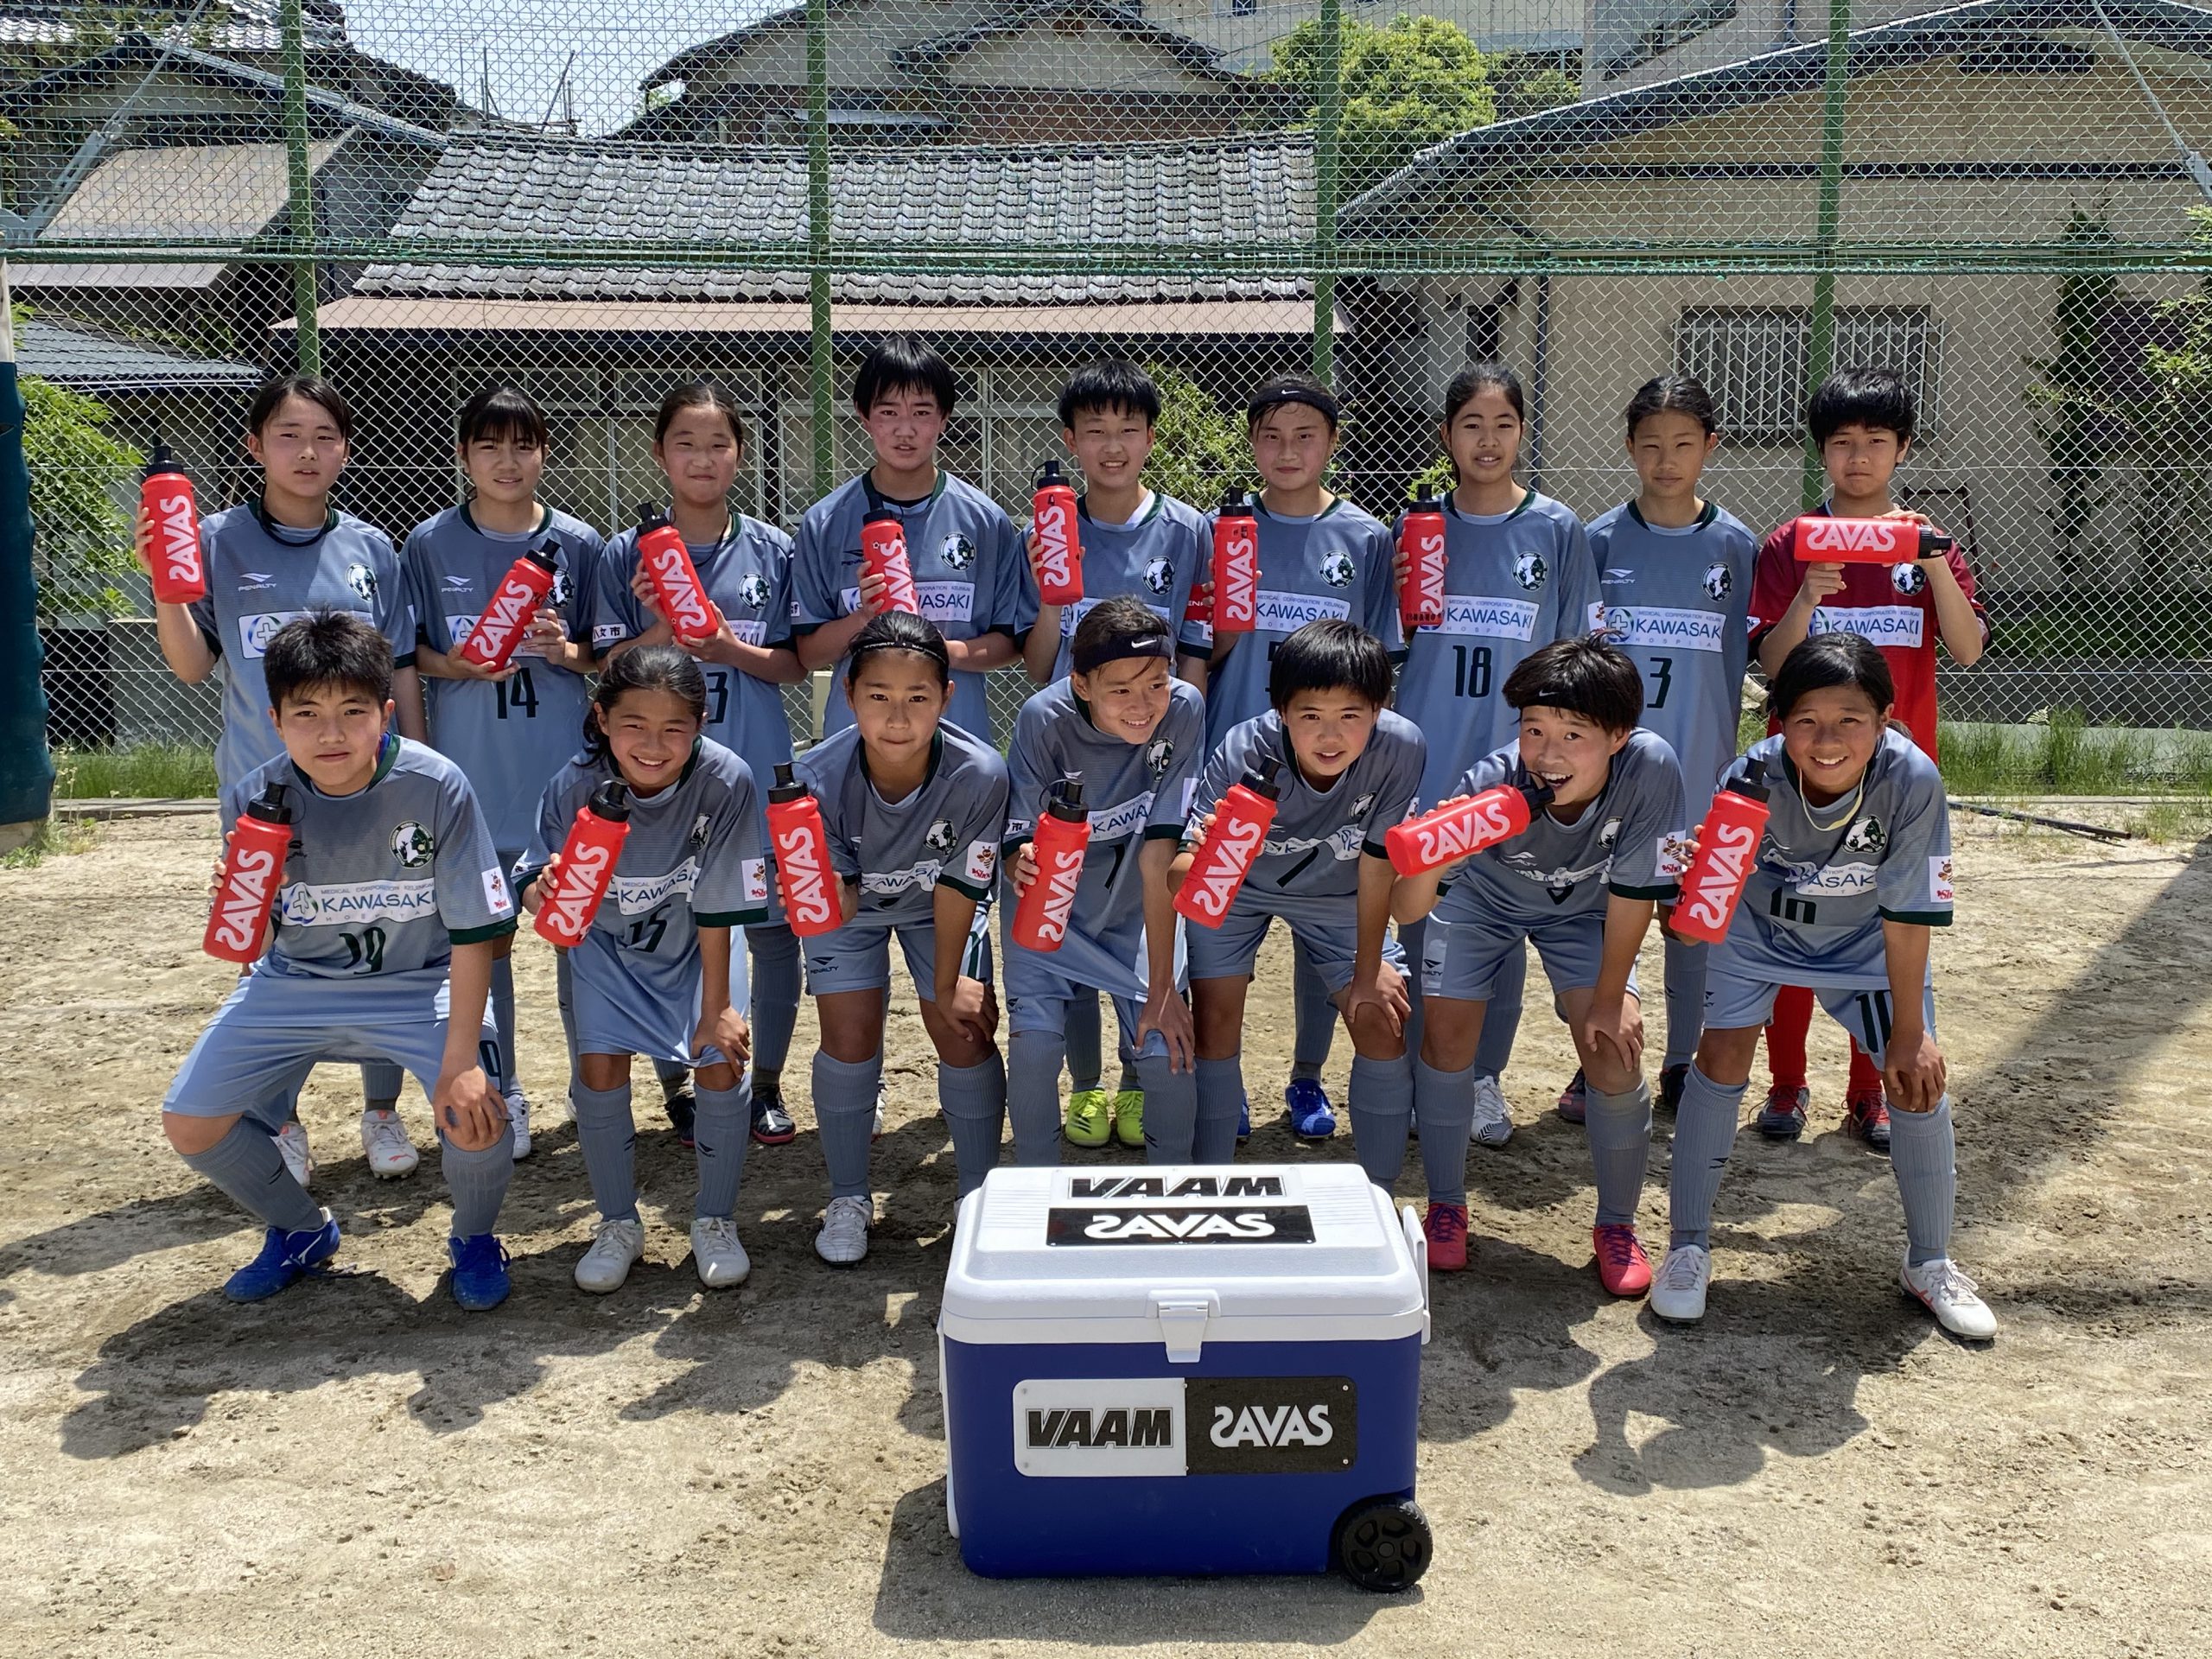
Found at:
[1852, 873]
[746, 567]
[1133, 736]
[1863, 421]
[1349, 768]
[1676, 574]
[655, 976]
[915, 809]
[278, 555]
[1581, 884]
[1517, 575]
[1320, 557]
[382, 948]
[511, 730]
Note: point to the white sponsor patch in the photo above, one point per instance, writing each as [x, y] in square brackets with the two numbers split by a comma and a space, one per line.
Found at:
[608, 633]
[1111, 823]
[891, 883]
[941, 601]
[496, 897]
[1189, 795]
[1070, 615]
[1896, 626]
[343, 905]
[755, 873]
[754, 632]
[1673, 853]
[1839, 880]
[1274, 612]
[1939, 878]
[983, 859]
[1488, 619]
[1118, 1425]
[634, 895]
[1658, 627]
[256, 631]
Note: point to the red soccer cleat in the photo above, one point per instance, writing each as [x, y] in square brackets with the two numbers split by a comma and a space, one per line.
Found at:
[1867, 1117]
[1445, 1225]
[1623, 1268]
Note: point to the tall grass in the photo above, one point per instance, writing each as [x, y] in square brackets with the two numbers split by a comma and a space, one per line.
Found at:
[135, 771]
[2063, 758]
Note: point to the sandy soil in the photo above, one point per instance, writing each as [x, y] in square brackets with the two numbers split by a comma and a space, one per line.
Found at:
[359, 1469]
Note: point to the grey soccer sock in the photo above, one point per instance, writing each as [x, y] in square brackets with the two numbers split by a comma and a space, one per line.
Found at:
[1032, 1097]
[564, 998]
[1502, 1019]
[608, 1135]
[1620, 1130]
[381, 1082]
[719, 1134]
[1316, 1014]
[672, 1077]
[503, 1018]
[247, 1167]
[973, 1100]
[1444, 1115]
[1218, 1098]
[1381, 1102]
[477, 1181]
[775, 995]
[1685, 1001]
[1086, 1041]
[1923, 1156]
[1705, 1134]
[844, 1119]
[1176, 1094]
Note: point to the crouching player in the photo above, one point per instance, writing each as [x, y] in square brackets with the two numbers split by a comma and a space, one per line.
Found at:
[1581, 884]
[1349, 768]
[1853, 870]
[392, 906]
[1133, 736]
[652, 977]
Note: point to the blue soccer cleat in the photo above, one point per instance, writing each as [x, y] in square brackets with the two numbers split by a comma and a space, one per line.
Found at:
[480, 1272]
[1306, 1103]
[1244, 1119]
[285, 1259]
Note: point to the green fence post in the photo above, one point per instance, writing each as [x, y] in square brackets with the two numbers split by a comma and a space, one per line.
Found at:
[300, 187]
[26, 768]
[1820, 343]
[819, 362]
[1328, 164]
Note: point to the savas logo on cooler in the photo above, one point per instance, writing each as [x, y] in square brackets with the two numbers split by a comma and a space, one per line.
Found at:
[1861, 535]
[806, 887]
[1203, 1223]
[1732, 844]
[243, 896]
[693, 620]
[1256, 1425]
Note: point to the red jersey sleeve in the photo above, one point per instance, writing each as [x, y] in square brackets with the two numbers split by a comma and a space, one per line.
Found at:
[1775, 581]
[1957, 561]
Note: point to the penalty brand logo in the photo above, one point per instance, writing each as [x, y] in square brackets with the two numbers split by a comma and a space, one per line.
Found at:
[243, 896]
[1732, 845]
[1893, 536]
[1169, 1426]
[806, 887]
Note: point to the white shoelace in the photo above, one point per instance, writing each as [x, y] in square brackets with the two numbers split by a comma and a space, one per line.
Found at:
[385, 1133]
[1946, 1281]
[1490, 1102]
[615, 1233]
[1680, 1273]
[717, 1233]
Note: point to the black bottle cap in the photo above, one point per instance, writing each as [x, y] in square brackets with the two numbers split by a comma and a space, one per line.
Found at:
[1066, 803]
[787, 786]
[1260, 777]
[1234, 503]
[1425, 500]
[272, 807]
[1752, 786]
[649, 518]
[1538, 796]
[162, 460]
[1049, 473]
[546, 555]
[611, 801]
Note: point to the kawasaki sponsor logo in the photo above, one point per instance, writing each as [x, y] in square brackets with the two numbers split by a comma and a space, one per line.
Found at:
[1489, 619]
[1655, 625]
[634, 895]
[1278, 612]
[304, 904]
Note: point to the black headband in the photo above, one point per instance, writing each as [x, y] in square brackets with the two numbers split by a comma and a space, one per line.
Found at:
[1117, 647]
[1271, 398]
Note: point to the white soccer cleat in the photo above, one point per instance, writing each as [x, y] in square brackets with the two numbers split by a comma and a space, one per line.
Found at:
[715, 1249]
[384, 1142]
[876, 1133]
[1947, 1293]
[292, 1147]
[1493, 1122]
[1678, 1291]
[843, 1238]
[612, 1254]
[518, 1115]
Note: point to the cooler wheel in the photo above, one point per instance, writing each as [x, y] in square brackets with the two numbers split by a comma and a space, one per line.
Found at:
[1383, 1543]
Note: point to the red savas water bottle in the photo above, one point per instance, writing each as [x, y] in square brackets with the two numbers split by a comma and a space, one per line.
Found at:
[1224, 858]
[253, 869]
[812, 903]
[1420, 602]
[1040, 920]
[569, 896]
[1444, 833]
[1728, 846]
[1059, 545]
[1235, 566]
[677, 587]
[883, 553]
[1822, 538]
[491, 644]
[179, 571]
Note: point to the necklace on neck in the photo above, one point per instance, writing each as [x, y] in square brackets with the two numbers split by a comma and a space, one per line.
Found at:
[1858, 794]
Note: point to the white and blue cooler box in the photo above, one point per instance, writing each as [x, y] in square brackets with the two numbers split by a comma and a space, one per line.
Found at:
[1185, 1370]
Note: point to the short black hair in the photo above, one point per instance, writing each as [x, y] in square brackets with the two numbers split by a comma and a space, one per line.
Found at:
[897, 631]
[1584, 677]
[1123, 617]
[702, 392]
[502, 410]
[903, 363]
[1109, 386]
[1477, 377]
[1278, 390]
[1324, 655]
[326, 648]
[1831, 659]
[1862, 396]
[1673, 394]
[313, 387]
[646, 668]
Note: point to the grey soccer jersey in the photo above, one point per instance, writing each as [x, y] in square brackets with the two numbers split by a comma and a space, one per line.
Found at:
[383, 881]
[947, 831]
[1826, 877]
[971, 577]
[261, 576]
[1312, 849]
[1157, 557]
[509, 737]
[1337, 564]
[749, 576]
[1678, 601]
[1135, 793]
[1630, 841]
[1513, 583]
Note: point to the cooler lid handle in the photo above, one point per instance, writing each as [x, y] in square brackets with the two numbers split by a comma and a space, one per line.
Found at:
[1183, 1315]
[1417, 1242]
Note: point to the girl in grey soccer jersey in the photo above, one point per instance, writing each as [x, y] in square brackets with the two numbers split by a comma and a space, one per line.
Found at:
[281, 554]
[1675, 572]
[1517, 575]
[655, 976]
[746, 567]
[1852, 872]
[511, 728]
[914, 808]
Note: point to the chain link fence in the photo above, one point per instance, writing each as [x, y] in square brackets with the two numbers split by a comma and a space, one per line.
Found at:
[2001, 200]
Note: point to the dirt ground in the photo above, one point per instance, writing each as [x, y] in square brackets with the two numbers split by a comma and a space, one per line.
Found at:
[358, 1468]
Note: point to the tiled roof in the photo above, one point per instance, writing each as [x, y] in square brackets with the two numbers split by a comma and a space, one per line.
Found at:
[89, 361]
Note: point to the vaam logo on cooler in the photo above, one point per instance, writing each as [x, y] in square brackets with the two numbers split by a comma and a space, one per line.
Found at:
[1092, 1427]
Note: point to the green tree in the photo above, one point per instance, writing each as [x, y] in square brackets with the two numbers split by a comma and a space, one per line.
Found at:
[2071, 395]
[1527, 85]
[1409, 83]
[79, 473]
[1200, 446]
